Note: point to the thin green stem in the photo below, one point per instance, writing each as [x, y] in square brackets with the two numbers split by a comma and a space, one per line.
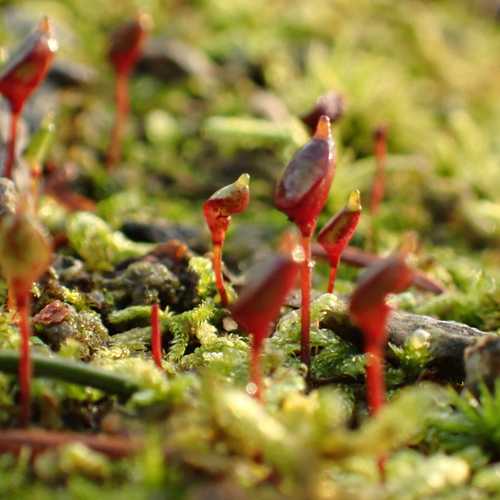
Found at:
[71, 371]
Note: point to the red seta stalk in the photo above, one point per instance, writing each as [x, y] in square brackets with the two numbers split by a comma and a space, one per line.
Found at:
[122, 97]
[156, 347]
[305, 287]
[23, 300]
[219, 281]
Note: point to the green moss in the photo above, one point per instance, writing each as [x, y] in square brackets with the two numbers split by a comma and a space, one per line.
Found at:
[97, 244]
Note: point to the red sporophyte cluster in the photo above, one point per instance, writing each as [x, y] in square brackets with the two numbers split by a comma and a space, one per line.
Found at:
[301, 193]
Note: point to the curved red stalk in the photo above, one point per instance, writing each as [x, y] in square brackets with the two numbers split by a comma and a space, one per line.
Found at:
[156, 347]
[361, 258]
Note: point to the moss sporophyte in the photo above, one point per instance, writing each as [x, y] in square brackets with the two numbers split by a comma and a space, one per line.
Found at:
[336, 233]
[217, 210]
[24, 71]
[25, 254]
[301, 193]
[369, 308]
[259, 303]
[125, 46]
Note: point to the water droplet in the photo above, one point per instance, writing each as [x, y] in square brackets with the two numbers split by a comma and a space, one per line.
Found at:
[251, 388]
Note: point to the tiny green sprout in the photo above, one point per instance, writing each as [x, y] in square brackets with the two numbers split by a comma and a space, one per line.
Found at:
[337, 232]
[217, 210]
[39, 147]
[260, 301]
[24, 71]
[25, 254]
[301, 193]
[125, 46]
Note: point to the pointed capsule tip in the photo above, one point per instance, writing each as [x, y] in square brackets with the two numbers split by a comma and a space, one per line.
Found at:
[44, 26]
[354, 203]
[323, 128]
[243, 181]
[144, 20]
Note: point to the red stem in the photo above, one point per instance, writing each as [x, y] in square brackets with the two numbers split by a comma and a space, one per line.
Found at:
[334, 265]
[375, 380]
[218, 273]
[256, 365]
[9, 165]
[375, 386]
[306, 274]
[331, 281]
[23, 306]
[156, 347]
[122, 95]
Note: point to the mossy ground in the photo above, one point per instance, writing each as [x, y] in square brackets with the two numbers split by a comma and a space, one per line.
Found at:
[427, 69]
